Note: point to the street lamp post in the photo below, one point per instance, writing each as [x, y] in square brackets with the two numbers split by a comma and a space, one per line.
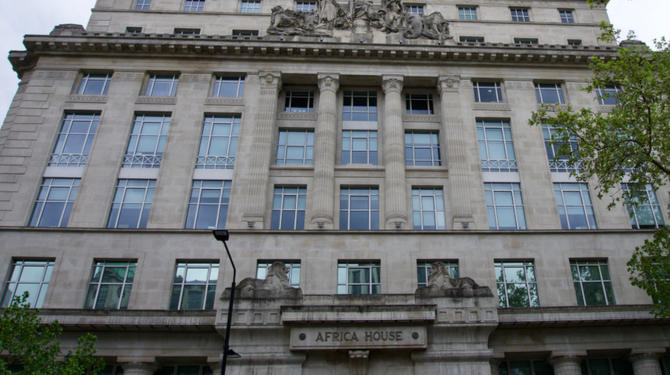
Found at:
[223, 236]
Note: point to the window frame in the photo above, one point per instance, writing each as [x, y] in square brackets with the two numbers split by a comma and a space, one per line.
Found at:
[86, 78]
[463, 9]
[418, 9]
[497, 87]
[524, 17]
[194, 208]
[434, 147]
[566, 15]
[277, 218]
[509, 163]
[423, 268]
[12, 283]
[598, 264]
[244, 33]
[372, 111]
[194, 6]
[413, 98]
[206, 303]
[526, 41]
[558, 88]
[142, 5]
[350, 136]
[255, 6]
[185, 31]
[502, 285]
[133, 30]
[418, 194]
[517, 208]
[135, 159]
[505, 367]
[608, 89]
[472, 39]
[560, 166]
[291, 265]
[583, 187]
[283, 147]
[117, 207]
[289, 97]
[372, 212]
[626, 366]
[59, 158]
[95, 286]
[310, 5]
[152, 79]
[41, 204]
[208, 140]
[651, 201]
[575, 42]
[347, 285]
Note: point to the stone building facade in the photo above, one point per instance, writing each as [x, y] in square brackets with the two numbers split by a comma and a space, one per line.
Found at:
[360, 144]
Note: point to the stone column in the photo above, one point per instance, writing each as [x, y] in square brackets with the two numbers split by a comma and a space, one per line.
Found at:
[394, 154]
[495, 366]
[646, 364]
[567, 365]
[257, 175]
[139, 368]
[216, 367]
[457, 157]
[325, 137]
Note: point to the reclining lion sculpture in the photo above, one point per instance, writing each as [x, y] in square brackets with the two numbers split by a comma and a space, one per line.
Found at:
[440, 284]
[275, 285]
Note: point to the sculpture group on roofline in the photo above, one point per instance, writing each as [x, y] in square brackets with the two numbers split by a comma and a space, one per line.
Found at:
[390, 17]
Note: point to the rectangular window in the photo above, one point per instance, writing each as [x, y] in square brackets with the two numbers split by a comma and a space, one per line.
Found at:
[526, 41]
[560, 165]
[208, 206]
[228, 87]
[608, 95]
[110, 285]
[74, 140]
[428, 209]
[132, 203]
[414, 8]
[525, 368]
[94, 84]
[419, 104]
[358, 278]
[194, 286]
[520, 15]
[549, 93]
[574, 42]
[487, 92]
[134, 30]
[574, 206]
[305, 6]
[30, 276]
[647, 213]
[504, 206]
[360, 106]
[359, 147]
[250, 6]
[472, 39]
[359, 208]
[566, 16]
[299, 101]
[142, 4]
[218, 143]
[293, 271]
[245, 32]
[162, 85]
[295, 147]
[516, 284]
[194, 5]
[607, 366]
[54, 202]
[467, 13]
[147, 141]
[422, 149]
[187, 31]
[423, 270]
[288, 208]
[496, 148]
[593, 283]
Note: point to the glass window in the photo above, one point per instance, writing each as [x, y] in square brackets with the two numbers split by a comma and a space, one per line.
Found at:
[110, 285]
[194, 5]
[646, 214]
[295, 147]
[472, 39]
[359, 147]
[218, 143]
[487, 92]
[560, 165]
[54, 202]
[358, 278]
[142, 4]
[94, 84]
[527, 41]
[74, 140]
[566, 16]
[504, 206]
[187, 31]
[208, 205]
[184, 370]
[574, 42]
[520, 15]
[299, 101]
[496, 148]
[359, 208]
[574, 206]
[228, 87]
[516, 284]
[422, 149]
[360, 106]
[467, 13]
[293, 271]
[162, 85]
[30, 276]
[549, 93]
[419, 104]
[525, 368]
[428, 208]
[593, 283]
[132, 203]
[194, 286]
[414, 8]
[606, 366]
[250, 6]
[245, 32]
[305, 6]
[147, 141]
[288, 208]
[134, 30]
[608, 95]
[423, 270]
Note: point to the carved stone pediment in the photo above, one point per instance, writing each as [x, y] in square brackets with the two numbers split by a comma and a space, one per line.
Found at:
[275, 285]
[440, 284]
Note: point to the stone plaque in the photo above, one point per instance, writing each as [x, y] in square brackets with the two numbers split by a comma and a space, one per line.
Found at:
[357, 337]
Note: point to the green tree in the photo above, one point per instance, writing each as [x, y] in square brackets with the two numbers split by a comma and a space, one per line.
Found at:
[35, 348]
[631, 141]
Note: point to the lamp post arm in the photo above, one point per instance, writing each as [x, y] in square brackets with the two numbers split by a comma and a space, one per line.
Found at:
[230, 313]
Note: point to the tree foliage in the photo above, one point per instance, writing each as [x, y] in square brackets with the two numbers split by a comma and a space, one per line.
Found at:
[35, 347]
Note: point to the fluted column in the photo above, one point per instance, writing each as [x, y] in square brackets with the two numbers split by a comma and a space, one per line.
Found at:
[325, 137]
[646, 364]
[394, 154]
[139, 368]
[567, 365]
[495, 366]
[257, 174]
[457, 157]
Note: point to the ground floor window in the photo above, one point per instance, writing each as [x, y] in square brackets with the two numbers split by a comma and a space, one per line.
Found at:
[606, 366]
[525, 368]
[184, 370]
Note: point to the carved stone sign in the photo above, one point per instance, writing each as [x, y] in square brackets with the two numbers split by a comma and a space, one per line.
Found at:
[330, 337]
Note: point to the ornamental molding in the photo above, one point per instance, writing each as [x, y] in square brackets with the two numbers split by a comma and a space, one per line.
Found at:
[448, 84]
[328, 82]
[392, 84]
[195, 77]
[225, 101]
[270, 80]
[576, 85]
[44, 74]
[87, 99]
[396, 217]
[125, 76]
[519, 85]
[492, 107]
[308, 116]
[420, 118]
[156, 100]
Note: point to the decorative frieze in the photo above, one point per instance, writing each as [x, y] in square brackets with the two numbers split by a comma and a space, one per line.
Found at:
[87, 99]
[156, 100]
[307, 116]
[420, 118]
[225, 101]
[519, 85]
[491, 107]
[127, 76]
[195, 77]
[576, 85]
[43, 74]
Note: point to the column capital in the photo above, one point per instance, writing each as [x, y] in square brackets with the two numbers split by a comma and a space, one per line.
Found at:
[448, 83]
[392, 84]
[328, 82]
[270, 80]
[140, 368]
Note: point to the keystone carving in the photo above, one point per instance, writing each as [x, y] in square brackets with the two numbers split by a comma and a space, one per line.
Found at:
[440, 284]
[275, 285]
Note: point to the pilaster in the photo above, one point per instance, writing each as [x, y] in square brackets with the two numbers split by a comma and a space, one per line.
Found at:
[394, 150]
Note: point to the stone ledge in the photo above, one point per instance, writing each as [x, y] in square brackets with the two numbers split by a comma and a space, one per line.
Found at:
[86, 99]
[224, 101]
[358, 313]
[420, 118]
[575, 316]
[156, 100]
[491, 107]
[309, 116]
[131, 320]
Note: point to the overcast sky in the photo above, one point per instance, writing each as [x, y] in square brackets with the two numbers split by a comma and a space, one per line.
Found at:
[649, 18]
